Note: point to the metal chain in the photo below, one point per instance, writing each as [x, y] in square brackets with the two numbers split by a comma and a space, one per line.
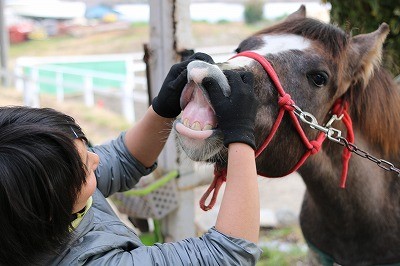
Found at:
[335, 135]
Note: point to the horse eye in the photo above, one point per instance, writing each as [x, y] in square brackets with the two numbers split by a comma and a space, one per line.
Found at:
[319, 78]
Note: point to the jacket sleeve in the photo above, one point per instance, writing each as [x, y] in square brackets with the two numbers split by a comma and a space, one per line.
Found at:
[213, 248]
[118, 170]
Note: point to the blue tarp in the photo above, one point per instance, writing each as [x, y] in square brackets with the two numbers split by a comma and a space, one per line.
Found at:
[98, 12]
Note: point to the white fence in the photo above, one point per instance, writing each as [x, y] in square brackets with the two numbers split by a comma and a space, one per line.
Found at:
[132, 88]
[132, 83]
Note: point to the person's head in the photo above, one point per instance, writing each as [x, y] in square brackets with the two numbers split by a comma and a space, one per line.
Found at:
[43, 180]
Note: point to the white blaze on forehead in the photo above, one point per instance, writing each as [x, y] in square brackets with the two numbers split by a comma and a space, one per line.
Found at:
[274, 44]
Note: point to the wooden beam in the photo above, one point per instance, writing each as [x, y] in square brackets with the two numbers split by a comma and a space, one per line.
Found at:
[170, 34]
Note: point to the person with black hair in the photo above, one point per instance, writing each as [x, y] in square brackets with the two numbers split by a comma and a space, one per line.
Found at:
[53, 187]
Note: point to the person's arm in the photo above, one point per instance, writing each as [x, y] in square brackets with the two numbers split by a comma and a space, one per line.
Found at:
[239, 214]
[147, 138]
[133, 154]
[125, 160]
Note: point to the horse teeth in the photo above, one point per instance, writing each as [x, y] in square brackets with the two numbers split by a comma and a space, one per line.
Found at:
[186, 122]
[196, 126]
[207, 127]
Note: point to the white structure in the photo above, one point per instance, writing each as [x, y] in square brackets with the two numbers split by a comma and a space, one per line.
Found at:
[132, 89]
[48, 9]
[232, 11]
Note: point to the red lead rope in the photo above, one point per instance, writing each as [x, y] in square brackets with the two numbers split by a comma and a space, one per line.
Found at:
[341, 107]
[285, 105]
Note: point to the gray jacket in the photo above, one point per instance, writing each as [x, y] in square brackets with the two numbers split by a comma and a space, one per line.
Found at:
[102, 239]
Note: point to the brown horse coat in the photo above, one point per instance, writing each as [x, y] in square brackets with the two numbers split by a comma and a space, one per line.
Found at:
[318, 63]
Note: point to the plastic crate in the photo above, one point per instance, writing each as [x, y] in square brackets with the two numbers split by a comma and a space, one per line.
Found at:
[152, 200]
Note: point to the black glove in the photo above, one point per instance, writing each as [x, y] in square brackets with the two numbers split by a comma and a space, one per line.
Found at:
[166, 104]
[236, 113]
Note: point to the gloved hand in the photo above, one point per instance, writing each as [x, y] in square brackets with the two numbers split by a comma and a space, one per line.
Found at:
[236, 113]
[166, 104]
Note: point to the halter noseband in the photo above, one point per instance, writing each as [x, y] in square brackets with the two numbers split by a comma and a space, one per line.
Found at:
[286, 104]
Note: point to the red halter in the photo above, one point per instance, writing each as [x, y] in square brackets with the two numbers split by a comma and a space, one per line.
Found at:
[286, 104]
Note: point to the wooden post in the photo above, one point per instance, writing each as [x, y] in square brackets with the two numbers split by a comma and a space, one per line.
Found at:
[171, 33]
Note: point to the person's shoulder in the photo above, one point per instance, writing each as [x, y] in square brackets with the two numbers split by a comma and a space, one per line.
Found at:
[100, 235]
[105, 220]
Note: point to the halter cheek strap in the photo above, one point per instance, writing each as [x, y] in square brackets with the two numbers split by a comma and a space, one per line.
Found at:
[286, 104]
[341, 108]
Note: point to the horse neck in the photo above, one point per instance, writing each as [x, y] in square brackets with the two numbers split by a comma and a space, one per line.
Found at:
[369, 191]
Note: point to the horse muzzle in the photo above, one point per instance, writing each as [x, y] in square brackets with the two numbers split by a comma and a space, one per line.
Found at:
[197, 127]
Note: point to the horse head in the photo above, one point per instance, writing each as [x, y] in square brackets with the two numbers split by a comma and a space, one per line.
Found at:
[316, 64]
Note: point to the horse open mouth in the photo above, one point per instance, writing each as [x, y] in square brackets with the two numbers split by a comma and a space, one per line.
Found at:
[198, 120]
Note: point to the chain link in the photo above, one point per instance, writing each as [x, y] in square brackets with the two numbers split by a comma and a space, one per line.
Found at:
[335, 135]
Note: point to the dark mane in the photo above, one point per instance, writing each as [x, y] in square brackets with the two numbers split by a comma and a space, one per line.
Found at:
[333, 38]
[376, 109]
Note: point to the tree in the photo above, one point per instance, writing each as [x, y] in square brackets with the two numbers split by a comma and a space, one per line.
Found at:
[253, 11]
[363, 16]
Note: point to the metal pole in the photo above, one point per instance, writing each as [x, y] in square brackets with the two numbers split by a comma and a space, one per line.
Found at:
[4, 44]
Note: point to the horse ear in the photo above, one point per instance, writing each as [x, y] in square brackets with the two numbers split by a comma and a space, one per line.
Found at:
[300, 13]
[365, 53]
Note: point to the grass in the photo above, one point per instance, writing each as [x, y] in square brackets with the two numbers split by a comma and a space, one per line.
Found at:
[282, 246]
[99, 124]
[131, 40]
[274, 257]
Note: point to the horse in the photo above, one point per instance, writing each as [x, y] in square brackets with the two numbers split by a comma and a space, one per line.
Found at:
[328, 110]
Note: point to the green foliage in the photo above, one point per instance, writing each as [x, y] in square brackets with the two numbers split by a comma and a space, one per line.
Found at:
[291, 256]
[223, 21]
[283, 247]
[364, 16]
[253, 11]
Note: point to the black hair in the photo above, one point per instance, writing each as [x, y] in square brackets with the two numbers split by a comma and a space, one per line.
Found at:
[41, 174]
